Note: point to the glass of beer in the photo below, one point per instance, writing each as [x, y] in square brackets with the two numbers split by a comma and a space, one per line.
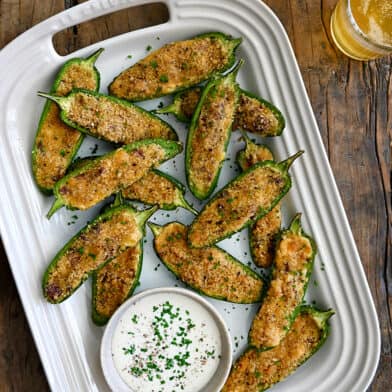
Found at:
[362, 29]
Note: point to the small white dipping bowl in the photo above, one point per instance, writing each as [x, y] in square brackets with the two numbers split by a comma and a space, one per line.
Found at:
[110, 372]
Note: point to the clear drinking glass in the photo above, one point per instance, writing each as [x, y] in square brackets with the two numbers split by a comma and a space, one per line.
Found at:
[362, 29]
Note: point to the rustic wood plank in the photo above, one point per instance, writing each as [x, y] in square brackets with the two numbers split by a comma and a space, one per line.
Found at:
[353, 106]
[352, 102]
[20, 366]
[108, 26]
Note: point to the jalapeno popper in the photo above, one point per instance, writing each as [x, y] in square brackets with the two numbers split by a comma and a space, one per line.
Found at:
[176, 66]
[55, 143]
[115, 281]
[110, 173]
[114, 231]
[240, 203]
[109, 118]
[209, 133]
[253, 114]
[210, 271]
[258, 116]
[157, 188]
[257, 371]
[263, 232]
[292, 268]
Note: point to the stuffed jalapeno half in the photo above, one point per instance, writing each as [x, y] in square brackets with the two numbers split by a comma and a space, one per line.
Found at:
[258, 116]
[210, 271]
[103, 176]
[263, 232]
[209, 133]
[108, 235]
[292, 267]
[158, 188]
[244, 200]
[253, 114]
[257, 371]
[55, 143]
[114, 282]
[109, 118]
[176, 66]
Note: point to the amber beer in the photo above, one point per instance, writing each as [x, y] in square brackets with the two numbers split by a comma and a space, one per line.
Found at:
[362, 29]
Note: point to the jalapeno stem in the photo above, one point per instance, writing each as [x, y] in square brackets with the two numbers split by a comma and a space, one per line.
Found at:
[172, 108]
[156, 229]
[142, 216]
[63, 102]
[118, 200]
[234, 71]
[321, 317]
[285, 165]
[55, 206]
[187, 206]
[93, 58]
[295, 225]
[235, 42]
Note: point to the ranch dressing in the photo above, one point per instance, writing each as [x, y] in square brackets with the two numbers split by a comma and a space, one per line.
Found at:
[166, 343]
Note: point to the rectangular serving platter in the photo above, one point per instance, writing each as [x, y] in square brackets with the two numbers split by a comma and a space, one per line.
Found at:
[67, 340]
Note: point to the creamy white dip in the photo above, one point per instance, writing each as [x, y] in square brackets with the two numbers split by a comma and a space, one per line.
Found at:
[166, 343]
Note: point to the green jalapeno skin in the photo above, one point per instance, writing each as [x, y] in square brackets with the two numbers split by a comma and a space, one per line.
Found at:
[55, 143]
[257, 371]
[111, 233]
[210, 271]
[115, 282]
[209, 133]
[262, 234]
[110, 173]
[195, 60]
[292, 268]
[111, 119]
[245, 199]
[254, 114]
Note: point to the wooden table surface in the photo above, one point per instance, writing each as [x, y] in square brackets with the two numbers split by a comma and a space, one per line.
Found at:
[352, 102]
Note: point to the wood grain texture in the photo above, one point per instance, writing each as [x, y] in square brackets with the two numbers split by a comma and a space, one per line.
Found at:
[352, 102]
[353, 106]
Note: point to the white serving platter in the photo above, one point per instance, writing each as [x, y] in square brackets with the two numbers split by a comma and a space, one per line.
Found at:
[67, 340]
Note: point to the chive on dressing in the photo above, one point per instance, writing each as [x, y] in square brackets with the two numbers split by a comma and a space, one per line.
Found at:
[165, 344]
